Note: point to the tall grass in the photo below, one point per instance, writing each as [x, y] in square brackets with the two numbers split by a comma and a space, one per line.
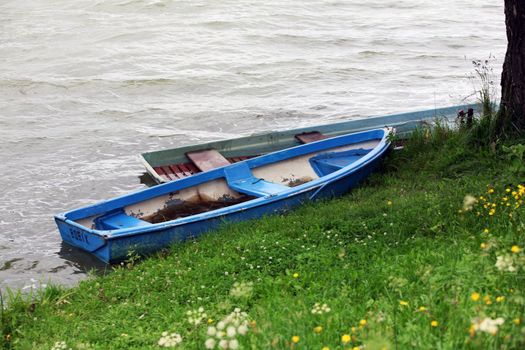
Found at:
[406, 261]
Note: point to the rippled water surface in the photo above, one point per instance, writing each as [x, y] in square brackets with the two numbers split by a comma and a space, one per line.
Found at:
[87, 85]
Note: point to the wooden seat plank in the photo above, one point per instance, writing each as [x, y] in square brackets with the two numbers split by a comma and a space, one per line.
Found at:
[185, 170]
[207, 159]
[169, 173]
[193, 169]
[312, 136]
[161, 173]
[177, 171]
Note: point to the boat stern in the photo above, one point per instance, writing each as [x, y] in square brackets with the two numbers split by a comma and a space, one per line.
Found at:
[85, 239]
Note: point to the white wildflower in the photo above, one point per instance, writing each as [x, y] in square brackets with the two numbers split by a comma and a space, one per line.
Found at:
[487, 325]
[319, 309]
[195, 317]
[505, 263]
[233, 344]
[241, 289]
[242, 330]
[211, 331]
[210, 343]
[60, 345]
[224, 334]
[223, 344]
[169, 340]
[231, 331]
[468, 202]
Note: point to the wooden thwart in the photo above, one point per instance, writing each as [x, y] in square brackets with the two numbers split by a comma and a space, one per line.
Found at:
[307, 137]
[207, 159]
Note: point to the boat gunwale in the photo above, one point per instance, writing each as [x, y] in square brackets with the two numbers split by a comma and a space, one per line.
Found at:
[314, 185]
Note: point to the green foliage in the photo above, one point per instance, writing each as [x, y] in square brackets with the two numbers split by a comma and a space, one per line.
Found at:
[396, 261]
[514, 154]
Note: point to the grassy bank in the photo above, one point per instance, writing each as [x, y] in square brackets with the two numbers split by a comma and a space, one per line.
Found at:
[407, 261]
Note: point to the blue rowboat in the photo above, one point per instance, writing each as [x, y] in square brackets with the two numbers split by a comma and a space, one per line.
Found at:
[173, 164]
[153, 218]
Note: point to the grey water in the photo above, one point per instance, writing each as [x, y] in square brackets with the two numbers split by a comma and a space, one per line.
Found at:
[87, 85]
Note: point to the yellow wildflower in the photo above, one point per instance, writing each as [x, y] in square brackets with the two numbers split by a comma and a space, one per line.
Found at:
[345, 338]
[500, 299]
[389, 203]
[356, 348]
[318, 329]
[362, 322]
[486, 230]
[210, 321]
[487, 300]
[422, 308]
[354, 329]
[295, 275]
[474, 296]
[295, 339]
[483, 245]
[490, 190]
[516, 321]
[515, 249]
[434, 323]
[325, 348]
[403, 303]
[507, 190]
[472, 330]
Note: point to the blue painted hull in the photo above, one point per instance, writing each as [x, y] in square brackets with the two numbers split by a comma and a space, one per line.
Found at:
[112, 246]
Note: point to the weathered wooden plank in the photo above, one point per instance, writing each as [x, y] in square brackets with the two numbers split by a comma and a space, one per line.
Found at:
[308, 137]
[207, 159]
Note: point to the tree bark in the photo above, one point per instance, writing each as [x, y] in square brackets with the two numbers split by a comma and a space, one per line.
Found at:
[512, 108]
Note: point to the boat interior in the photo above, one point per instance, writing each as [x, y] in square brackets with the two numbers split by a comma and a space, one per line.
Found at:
[221, 184]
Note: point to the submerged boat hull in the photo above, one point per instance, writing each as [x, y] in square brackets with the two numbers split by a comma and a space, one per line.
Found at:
[116, 245]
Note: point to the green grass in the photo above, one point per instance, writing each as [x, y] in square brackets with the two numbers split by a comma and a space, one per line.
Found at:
[400, 242]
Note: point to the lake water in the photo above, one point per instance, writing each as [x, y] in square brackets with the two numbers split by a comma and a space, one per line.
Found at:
[87, 85]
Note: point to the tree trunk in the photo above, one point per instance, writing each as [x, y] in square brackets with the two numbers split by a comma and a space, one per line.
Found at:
[512, 109]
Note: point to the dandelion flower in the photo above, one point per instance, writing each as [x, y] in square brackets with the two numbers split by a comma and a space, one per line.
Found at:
[318, 329]
[422, 308]
[475, 296]
[295, 339]
[362, 323]
[500, 299]
[296, 275]
[515, 249]
[486, 230]
[483, 245]
[403, 303]
[325, 348]
[516, 321]
[434, 323]
[389, 203]
[345, 339]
